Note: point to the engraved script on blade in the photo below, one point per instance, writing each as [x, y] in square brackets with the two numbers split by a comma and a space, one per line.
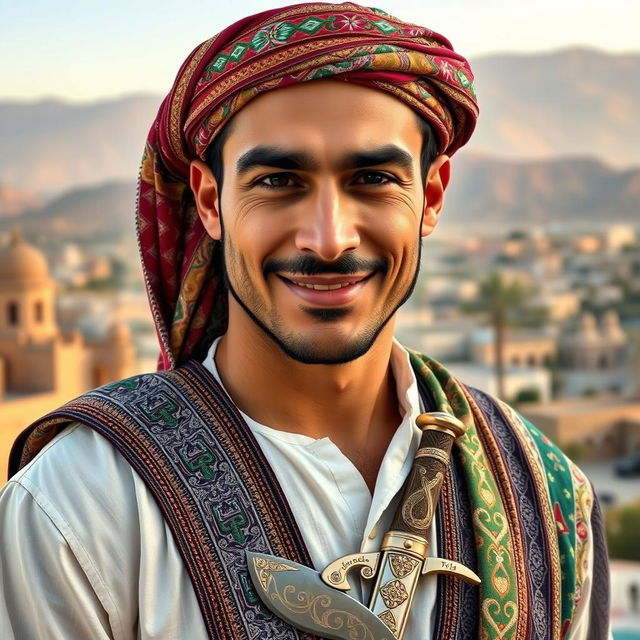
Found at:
[298, 595]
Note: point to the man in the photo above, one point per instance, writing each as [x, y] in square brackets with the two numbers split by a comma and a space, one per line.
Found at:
[288, 181]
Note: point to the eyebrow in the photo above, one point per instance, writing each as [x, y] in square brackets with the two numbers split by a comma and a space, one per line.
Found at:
[389, 154]
[274, 157]
[267, 156]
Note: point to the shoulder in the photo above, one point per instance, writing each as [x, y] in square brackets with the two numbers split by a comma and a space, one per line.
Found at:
[75, 451]
[559, 471]
[86, 489]
[83, 486]
[102, 408]
[74, 473]
[74, 509]
[562, 490]
[512, 433]
[83, 517]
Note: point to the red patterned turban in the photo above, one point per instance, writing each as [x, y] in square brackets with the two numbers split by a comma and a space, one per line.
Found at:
[260, 53]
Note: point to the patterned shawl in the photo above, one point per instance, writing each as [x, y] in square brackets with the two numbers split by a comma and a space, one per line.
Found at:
[260, 53]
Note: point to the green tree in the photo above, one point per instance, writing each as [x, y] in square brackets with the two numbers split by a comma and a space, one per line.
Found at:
[526, 395]
[623, 531]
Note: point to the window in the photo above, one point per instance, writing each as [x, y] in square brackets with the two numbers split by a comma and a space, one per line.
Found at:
[39, 311]
[12, 313]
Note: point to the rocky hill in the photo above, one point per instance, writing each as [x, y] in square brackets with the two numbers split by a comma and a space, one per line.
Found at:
[16, 201]
[88, 213]
[52, 146]
[574, 102]
[569, 191]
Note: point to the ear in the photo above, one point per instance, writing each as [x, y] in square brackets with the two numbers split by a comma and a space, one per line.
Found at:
[434, 188]
[205, 192]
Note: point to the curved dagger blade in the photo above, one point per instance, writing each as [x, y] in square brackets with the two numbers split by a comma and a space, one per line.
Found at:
[298, 595]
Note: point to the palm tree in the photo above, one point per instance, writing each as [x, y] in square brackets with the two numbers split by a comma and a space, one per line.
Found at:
[500, 297]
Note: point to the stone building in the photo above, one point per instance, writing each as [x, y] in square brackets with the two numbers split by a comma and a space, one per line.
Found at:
[596, 358]
[604, 427]
[625, 597]
[41, 367]
[521, 349]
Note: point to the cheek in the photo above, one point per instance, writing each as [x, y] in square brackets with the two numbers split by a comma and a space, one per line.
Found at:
[401, 212]
[254, 230]
[403, 246]
[233, 260]
[396, 228]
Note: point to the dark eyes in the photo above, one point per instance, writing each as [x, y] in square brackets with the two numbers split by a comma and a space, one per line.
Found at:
[279, 181]
[290, 180]
[373, 177]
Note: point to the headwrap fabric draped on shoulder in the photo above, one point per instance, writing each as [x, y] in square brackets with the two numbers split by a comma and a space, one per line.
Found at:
[267, 51]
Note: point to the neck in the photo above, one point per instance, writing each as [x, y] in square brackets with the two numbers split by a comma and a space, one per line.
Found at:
[354, 404]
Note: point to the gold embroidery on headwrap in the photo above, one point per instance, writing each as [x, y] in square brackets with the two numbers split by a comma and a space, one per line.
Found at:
[175, 109]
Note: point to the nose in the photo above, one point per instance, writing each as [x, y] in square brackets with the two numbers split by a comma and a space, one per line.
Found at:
[328, 226]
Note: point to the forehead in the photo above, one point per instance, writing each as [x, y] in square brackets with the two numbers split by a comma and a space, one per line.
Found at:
[324, 117]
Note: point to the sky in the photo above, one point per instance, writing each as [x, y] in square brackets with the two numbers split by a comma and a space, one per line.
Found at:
[84, 50]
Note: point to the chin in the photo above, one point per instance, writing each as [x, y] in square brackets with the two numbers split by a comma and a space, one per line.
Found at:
[306, 352]
[326, 347]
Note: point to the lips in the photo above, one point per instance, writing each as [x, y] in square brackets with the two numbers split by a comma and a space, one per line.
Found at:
[326, 291]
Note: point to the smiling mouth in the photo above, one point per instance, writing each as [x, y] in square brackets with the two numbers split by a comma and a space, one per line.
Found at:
[327, 290]
[325, 284]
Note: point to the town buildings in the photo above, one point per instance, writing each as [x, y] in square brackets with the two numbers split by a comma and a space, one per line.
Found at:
[42, 366]
[625, 597]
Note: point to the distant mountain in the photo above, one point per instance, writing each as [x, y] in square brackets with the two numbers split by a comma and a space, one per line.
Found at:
[52, 146]
[572, 191]
[95, 212]
[573, 102]
[484, 193]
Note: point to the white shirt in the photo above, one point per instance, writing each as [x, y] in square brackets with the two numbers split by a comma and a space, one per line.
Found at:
[85, 552]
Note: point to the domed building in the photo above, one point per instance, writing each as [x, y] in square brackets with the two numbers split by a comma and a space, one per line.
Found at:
[113, 355]
[597, 357]
[26, 291]
[41, 367]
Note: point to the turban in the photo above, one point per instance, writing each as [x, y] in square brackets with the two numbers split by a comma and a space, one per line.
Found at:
[267, 51]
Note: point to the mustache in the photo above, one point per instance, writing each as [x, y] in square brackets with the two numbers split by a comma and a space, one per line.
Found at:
[309, 265]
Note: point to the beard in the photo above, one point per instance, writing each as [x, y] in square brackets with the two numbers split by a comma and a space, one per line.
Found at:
[303, 348]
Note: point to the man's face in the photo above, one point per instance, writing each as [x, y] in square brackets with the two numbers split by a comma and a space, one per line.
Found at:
[322, 215]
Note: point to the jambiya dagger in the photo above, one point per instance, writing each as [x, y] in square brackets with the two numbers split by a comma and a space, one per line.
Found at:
[316, 602]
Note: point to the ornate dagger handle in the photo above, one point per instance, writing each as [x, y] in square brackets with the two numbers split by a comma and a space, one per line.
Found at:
[405, 545]
[422, 487]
